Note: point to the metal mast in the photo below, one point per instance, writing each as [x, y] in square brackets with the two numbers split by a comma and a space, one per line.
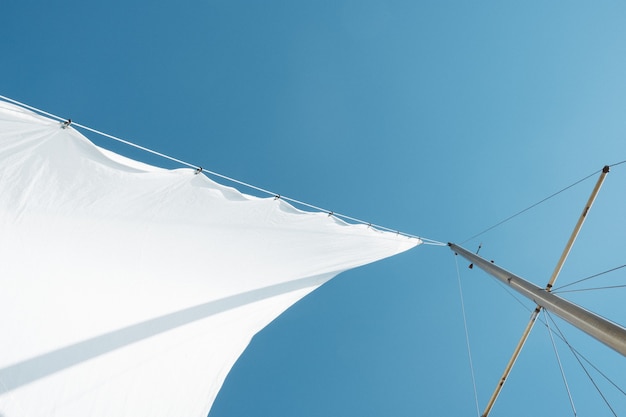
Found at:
[604, 330]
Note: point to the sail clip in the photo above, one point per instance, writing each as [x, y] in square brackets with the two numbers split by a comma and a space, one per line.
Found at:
[198, 170]
[66, 124]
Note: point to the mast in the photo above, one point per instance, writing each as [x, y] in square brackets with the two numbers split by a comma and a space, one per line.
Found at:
[606, 331]
[532, 289]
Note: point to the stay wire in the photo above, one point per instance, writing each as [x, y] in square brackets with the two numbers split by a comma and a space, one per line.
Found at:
[579, 355]
[610, 287]
[588, 278]
[618, 163]
[469, 350]
[576, 354]
[244, 184]
[558, 359]
[561, 336]
[545, 323]
[532, 206]
[512, 294]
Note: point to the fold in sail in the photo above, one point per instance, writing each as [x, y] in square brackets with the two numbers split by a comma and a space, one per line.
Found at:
[131, 290]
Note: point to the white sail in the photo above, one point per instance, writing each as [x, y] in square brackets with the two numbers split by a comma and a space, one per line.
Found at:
[130, 290]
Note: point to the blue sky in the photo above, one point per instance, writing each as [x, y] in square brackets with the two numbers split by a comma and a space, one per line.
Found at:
[436, 119]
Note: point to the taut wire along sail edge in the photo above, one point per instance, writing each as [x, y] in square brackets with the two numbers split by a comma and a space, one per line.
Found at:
[199, 169]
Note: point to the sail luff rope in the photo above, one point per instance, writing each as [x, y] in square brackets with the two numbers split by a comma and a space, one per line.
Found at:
[558, 359]
[424, 240]
[576, 354]
[54, 116]
[134, 145]
[467, 340]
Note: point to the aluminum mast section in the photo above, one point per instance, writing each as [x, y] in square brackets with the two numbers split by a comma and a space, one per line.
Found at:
[553, 277]
[606, 331]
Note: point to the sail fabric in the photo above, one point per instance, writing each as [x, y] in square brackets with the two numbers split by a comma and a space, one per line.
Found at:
[131, 290]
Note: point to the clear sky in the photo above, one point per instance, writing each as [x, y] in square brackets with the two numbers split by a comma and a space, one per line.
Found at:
[434, 118]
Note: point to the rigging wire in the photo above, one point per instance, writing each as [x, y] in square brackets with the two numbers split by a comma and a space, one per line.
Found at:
[196, 167]
[53, 116]
[512, 294]
[594, 288]
[539, 202]
[618, 163]
[589, 277]
[576, 353]
[579, 355]
[558, 359]
[563, 339]
[469, 350]
[531, 206]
